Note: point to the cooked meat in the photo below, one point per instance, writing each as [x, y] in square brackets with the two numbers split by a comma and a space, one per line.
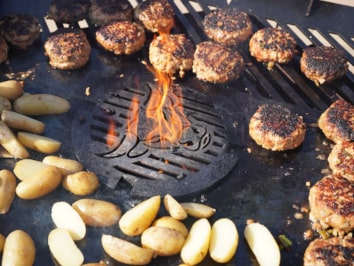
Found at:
[20, 30]
[67, 49]
[121, 37]
[272, 45]
[171, 53]
[276, 127]
[68, 11]
[104, 11]
[155, 15]
[323, 64]
[337, 122]
[4, 49]
[341, 160]
[333, 251]
[227, 26]
[332, 205]
[216, 63]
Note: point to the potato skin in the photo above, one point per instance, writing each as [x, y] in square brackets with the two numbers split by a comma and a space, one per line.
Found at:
[81, 183]
[7, 190]
[170, 222]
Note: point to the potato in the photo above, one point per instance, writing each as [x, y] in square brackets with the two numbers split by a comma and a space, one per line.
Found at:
[40, 184]
[223, 241]
[9, 141]
[170, 222]
[140, 217]
[64, 249]
[66, 166]
[262, 244]
[5, 104]
[11, 89]
[27, 168]
[174, 208]
[19, 249]
[7, 190]
[96, 212]
[163, 241]
[126, 252]
[81, 183]
[66, 217]
[2, 242]
[198, 210]
[4, 153]
[101, 263]
[40, 104]
[38, 142]
[197, 243]
[22, 122]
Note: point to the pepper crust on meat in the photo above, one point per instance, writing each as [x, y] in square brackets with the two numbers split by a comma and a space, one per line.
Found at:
[341, 160]
[68, 11]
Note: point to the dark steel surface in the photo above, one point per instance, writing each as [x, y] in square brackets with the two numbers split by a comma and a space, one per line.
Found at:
[265, 186]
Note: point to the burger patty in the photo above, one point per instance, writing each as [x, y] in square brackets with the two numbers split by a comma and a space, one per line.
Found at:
[67, 49]
[121, 37]
[171, 53]
[331, 202]
[227, 26]
[337, 121]
[216, 63]
[272, 45]
[68, 11]
[341, 160]
[20, 30]
[276, 127]
[330, 252]
[104, 11]
[323, 64]
[4, 49]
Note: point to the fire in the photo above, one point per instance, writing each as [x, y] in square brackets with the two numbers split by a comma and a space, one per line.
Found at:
[111, 133]
[133, 118]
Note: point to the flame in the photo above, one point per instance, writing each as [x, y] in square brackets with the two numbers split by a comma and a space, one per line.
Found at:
[133, 119]
[111, 133]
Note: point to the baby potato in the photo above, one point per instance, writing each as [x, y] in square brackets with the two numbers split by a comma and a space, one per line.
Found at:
[11, 89]
[38, 142]
[96, 212]
[198, 210]
[5, 104]
[7, 190]
[170, 222]
[174, 208]
[66, 166]
[81, 183]
[22, 122]
[27, 168]
[163, 241]
[10, 143]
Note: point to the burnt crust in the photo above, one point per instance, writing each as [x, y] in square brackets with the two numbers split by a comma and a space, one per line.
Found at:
[341, 160]
[4, 49]
[68, 11]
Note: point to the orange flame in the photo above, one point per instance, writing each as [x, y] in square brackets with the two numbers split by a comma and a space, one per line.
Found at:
[111, 133]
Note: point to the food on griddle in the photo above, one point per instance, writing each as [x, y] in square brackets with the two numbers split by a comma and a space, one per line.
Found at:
[170, 53]
[341, 160]
[104, 11]
[65, 165]
[174, 208]
[155, 15]
[20, 30]
[272, 45]
[331, 251]
[198, 210]
[5, 104]
[332, 205]
[337, 121]
[22, 122]
[4, 49]
[68, 49]
[68, 11]
[11, 144]
[8, 184]
[228, 26]
[276, 127]
[121, 37]
[323, 64]
[81, 183]
[216, 63]
[11, 89]
[170, 222]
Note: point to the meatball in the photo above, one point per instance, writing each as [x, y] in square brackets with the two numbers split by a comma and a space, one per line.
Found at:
[341, 160]
[68, 11]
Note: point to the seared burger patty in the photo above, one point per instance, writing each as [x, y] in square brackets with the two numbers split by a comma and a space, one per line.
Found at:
[68, 49]
[4, 49]
[323, 64]
[121, 37]
[331, 202]
[20, 30]
[341, 160]
[216, 63]
[272, 45]
[276, 127]
[104, 11]
[68, 11]
[227, 26]
[155, 15]
[330, 252]
[171, 53]
[337, 122]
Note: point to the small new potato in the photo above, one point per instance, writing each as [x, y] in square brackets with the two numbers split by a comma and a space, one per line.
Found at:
[22, 122]
[5, 104]
[174, 208]
[11, 89]
[7, 190]
[81, 183]
[170, 222]
[10, 143]
[27, 168]
[66, 166]
[38, 142]
[198, 210]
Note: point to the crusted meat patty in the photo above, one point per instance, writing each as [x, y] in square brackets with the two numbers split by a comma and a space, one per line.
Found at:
[323, 64]
[276, 127]
[216, 63]
[334, 251]
[227, 26]
[331, 202]
[104, 11]
[121, 37]
[67, 49]
[341, 160]
[337, 121]
[68, 11]
[20, 30]
[155, 15]
[4, 49]
[272, 45]
[171, 53]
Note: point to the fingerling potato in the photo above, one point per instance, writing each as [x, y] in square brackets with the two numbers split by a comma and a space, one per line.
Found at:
[38, 142]
[198, 210]
[170, 222]
[81, 183]
[10, 143]
[66, 166]
[5, 104]
[7, 190]
[22, 122]
[11, 89]
[174, 208]
[27, 168]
